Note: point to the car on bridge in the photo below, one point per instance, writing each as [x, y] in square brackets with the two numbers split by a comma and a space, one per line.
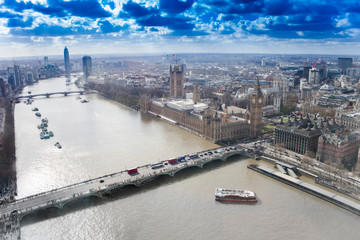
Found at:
[157, 166]
[173, 161]
[133, 171]
[181, 159]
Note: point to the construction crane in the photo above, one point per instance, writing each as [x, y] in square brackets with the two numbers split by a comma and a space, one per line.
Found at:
[314, 64]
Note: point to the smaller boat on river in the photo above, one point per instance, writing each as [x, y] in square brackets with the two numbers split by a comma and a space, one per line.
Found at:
[58, 145]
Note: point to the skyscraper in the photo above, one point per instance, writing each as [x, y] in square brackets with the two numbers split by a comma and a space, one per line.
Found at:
[344, 63]
[87, 66]
[17, 75]
[314, 76]
[67, 62]
[46, 60]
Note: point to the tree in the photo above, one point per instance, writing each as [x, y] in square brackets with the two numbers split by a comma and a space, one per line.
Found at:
[207, 92]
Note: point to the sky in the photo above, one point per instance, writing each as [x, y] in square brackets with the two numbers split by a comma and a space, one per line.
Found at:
[45, 27]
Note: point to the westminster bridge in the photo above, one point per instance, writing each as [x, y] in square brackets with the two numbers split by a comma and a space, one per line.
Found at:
[12, 213]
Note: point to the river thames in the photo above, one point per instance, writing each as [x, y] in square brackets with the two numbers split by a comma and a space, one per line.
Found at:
[102, 137]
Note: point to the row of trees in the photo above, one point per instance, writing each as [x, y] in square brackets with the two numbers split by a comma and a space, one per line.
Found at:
[314, 109]
[126, 95]
[7, 154]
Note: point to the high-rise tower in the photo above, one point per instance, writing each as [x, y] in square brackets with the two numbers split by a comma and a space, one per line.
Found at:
[46, 60]
[67, 62]
[256, 104]
[87, 66]
[177, 81]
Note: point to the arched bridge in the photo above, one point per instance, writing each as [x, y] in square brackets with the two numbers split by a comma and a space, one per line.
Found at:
[65, 93]
[108, 183]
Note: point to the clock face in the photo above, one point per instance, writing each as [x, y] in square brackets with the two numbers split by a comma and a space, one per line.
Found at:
[260, 100]
[253, 100]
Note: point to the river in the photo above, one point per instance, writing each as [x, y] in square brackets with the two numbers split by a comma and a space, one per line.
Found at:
[103, 136]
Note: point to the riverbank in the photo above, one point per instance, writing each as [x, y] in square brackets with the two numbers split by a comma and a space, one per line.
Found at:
[7, 156]
[308, 188]
[319, 179]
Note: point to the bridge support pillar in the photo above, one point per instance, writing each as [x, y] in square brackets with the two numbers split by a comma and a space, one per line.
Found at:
[47, 95]
[65, 94]
[137, 183]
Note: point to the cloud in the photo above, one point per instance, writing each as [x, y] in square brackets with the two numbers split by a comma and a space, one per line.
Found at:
[175, 6]
[193, 20]
[84, 8]
[17, 22]
[60, 8]
[47, 30]
[107, 27]
[7, 14]
[228, 30]
[108, 3]
[174, 23]
[188, 33]
[153, 29]
[136, 10]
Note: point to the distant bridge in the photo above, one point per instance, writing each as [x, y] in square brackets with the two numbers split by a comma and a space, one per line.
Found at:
[81, 92]
[12, 213]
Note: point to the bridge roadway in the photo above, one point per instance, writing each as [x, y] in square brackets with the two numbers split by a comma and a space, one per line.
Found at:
[65, 93]
[102, 185]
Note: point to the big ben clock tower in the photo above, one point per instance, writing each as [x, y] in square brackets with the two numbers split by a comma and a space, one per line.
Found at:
[256, 103]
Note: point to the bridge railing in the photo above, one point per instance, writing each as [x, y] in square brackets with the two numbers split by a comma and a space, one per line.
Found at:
[132, 179]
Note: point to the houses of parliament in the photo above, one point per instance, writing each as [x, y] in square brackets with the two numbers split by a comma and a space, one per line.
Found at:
[215, 123]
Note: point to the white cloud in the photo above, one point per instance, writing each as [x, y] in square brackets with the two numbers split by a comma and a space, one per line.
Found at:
[3, 29]
[353, 32]
[343, 22]
[37, 39]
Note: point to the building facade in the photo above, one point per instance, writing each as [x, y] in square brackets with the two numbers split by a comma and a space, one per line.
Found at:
[340, 148]
[67, 62]
[344, 63]
[87, 66]
[196, 95]
[256, 103]
[350, 120]
[300, 136]
[177, 81]
[214, 125]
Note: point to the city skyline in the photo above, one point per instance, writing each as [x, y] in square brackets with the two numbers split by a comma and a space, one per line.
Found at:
[44, 27]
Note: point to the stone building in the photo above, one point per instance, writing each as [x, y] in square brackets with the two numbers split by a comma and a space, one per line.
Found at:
[350, 120]
[196, 95]
[256, 103]
[300, 136]
[211, 123]
[177, 81]
[340, 148]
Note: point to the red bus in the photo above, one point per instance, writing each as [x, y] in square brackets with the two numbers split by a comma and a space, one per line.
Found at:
[133, 171]
[173, 161]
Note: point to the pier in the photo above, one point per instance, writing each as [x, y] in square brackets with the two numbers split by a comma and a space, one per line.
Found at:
[309, 188]
[12, 213]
